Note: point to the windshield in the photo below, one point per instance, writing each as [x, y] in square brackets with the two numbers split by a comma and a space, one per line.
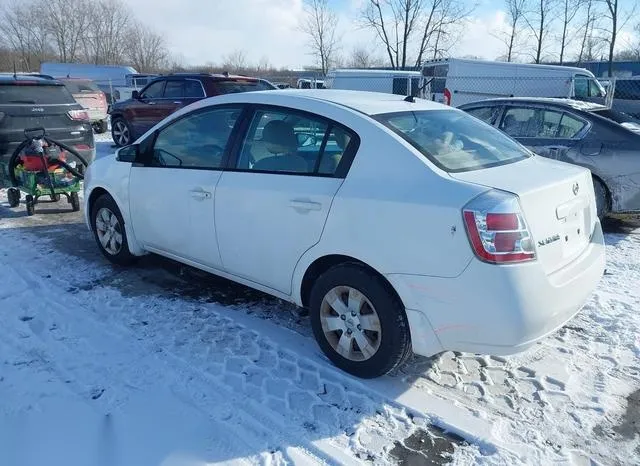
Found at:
[37, 94]
[229, 87]
[453, 140]
[77, 86]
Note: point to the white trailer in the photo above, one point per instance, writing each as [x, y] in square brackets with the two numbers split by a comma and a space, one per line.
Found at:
[386, 81]
[455, 81]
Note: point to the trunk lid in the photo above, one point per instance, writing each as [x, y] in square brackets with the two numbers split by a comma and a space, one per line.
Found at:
[557, 201]
[91, 101]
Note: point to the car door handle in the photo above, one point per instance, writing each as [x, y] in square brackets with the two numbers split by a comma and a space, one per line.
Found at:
[300, 204]
[200, 194]
[151, 103]
[177, 102]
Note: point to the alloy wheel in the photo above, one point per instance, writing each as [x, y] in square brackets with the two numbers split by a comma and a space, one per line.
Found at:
[109, 231]
[350, 323]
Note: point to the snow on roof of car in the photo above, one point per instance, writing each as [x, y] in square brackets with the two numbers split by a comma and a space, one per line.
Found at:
[575, 104]
[370, 103]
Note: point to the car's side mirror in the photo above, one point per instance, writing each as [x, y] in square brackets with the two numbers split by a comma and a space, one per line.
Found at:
[135, 95]
[128, 153]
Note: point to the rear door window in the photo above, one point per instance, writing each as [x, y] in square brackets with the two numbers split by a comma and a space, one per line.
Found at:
[234, 86]
[540, 123]
[79, 87]
[35, 94]
[193, 89]
[174, 90]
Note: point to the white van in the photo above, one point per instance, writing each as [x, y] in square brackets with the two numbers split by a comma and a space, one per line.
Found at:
[455, 81]
[386, 81]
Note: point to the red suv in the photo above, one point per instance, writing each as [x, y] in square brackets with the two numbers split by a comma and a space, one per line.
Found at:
[132, 118]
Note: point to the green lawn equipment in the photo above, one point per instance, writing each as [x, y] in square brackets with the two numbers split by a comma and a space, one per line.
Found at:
[41, 166]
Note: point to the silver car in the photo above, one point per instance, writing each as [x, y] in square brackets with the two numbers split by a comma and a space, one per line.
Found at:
[605, 141]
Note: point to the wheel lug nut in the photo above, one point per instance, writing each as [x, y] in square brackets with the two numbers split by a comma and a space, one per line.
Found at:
[359, 327]
[353, 314]
[349, 332]
[343, 317]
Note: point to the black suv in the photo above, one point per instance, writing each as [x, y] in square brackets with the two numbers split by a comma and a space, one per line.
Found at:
[132, 118]
[33, 101]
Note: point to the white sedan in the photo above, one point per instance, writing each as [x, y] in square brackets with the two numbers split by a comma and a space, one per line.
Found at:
[402, 225]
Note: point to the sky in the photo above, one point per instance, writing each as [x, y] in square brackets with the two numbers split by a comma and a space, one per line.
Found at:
[204, 31]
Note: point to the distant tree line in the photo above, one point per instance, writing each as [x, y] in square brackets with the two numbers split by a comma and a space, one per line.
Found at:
[85, 31]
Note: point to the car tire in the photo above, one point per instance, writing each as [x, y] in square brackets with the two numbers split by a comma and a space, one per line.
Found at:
[74, 200]
[602, 198]
[121, 132]
[101, 127]
[31, 204]
[13, 196]
[106, 221]
[368, 338]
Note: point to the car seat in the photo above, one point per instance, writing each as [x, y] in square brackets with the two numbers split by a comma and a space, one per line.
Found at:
[280, 139]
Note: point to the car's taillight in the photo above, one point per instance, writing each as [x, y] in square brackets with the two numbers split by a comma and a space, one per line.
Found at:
[497, 229]
[447, 96]
[78, 115]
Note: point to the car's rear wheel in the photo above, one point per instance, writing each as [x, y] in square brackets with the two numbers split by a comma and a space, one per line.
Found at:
[108, 229]
[602, 198]
[101, 126]
[359, 323]
[121, 132]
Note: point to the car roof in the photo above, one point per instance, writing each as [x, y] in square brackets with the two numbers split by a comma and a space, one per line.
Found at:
[370, 103]
[574, 104]
[9, 78]
[218, 76]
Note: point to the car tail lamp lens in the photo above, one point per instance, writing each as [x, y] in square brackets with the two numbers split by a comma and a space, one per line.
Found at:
[78, 115]
[497, 229]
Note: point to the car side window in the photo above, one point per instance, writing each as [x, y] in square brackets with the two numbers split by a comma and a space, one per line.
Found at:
[486, 114]
[154, 91]
[198, 140]
[173, 90]
[531, 123]
[337, 143]
[193, 89]
[581, 87]
[569, 126]
[282, 141]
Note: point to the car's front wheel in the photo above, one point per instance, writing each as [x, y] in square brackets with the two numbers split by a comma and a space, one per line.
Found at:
[359, 323]
[108, 229]
[121, 132]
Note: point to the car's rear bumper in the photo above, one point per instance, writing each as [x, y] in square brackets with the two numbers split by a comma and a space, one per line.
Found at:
[491, 309]
[96, 115]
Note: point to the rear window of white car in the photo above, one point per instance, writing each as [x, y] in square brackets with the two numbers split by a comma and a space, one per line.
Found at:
[453, 140]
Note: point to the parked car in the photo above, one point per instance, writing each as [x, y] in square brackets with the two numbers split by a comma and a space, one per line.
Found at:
[28, 101]
[605, 141]
[305, 83]
[89, 95]
[388, 81]
[132, 118]
[626, 95]
[116, 81]
[456, 81]
[401, 225]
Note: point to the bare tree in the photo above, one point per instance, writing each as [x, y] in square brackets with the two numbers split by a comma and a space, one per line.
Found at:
[320, 24]
[67, 21]
[515, 18]
[105, 38]
[361, 57]
[146, 50]
[394, 22]
[617, 21]
[590, 42]
[235, 61]
[25, 35]
[570, 10]
[539, 20]
[440, 26]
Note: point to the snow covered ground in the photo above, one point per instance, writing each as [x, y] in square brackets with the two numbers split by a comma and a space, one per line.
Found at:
[162, 365]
